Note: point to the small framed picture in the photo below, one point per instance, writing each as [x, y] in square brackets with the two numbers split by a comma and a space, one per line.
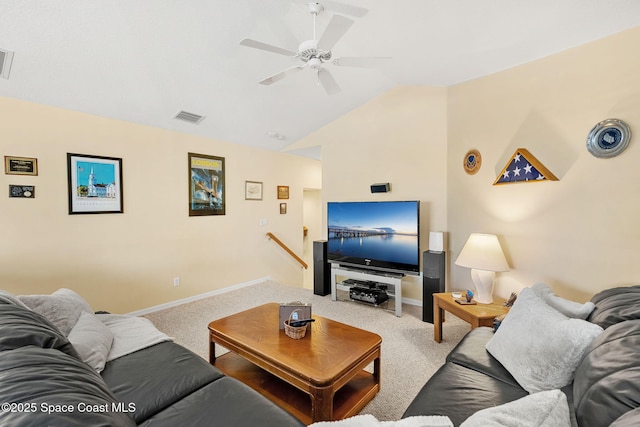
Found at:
[95, 184]
[283, 191]
[283, 208]
[252, 190]
[20, 165]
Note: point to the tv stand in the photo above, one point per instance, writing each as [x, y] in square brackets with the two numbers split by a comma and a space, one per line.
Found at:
[393, 279]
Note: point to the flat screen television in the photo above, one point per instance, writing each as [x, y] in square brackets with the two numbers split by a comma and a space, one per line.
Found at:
[381, 236]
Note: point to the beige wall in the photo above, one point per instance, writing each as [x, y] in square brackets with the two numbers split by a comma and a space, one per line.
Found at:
[579, 234]
[399, 137]
[125, 262]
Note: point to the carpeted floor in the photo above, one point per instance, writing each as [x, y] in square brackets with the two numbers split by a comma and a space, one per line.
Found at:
[409, 354]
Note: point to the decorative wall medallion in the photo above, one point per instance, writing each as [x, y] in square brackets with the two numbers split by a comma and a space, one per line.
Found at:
[472, 162]
[608, 138]
[524, 167]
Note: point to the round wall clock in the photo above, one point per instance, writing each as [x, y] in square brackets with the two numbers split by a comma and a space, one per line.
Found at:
[472, 162]
[608, 138]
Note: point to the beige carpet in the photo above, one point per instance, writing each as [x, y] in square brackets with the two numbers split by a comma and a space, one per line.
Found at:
[409, 354]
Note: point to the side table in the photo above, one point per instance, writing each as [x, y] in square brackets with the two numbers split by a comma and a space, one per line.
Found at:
[475, 314]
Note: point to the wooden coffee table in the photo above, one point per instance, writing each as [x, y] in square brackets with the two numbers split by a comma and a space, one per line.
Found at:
[319, 377]
[476, 314]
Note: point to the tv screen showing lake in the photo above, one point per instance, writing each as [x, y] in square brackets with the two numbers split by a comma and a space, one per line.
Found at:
[392, 248]
[376, 231]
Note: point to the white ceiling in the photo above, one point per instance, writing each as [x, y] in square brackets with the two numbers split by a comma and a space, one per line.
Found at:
[143, 61]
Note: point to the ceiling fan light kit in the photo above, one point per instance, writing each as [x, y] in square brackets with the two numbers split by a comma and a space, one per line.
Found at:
[315, 53]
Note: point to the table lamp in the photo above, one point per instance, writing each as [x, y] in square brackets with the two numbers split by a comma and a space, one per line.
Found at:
[483, 255]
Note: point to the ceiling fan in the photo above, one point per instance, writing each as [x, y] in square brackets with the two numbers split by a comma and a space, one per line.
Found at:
[315, 53]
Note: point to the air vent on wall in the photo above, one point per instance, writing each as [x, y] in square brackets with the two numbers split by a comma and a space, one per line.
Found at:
[6, 57]
[189, 117]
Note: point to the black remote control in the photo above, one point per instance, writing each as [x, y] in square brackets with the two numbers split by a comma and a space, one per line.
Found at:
[298, 323]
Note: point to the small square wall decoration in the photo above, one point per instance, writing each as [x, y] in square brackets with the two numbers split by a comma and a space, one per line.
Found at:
[524, 167]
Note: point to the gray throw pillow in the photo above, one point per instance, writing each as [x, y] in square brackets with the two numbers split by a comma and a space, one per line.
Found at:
[544, 409]
[92, 339]
[567, 307]
[62, 308]
[540, 346]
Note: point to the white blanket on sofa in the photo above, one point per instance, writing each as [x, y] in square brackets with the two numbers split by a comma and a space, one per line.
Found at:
[130, 334]
[369, 420]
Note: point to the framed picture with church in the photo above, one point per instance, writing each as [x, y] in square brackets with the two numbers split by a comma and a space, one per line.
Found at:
[95, 184]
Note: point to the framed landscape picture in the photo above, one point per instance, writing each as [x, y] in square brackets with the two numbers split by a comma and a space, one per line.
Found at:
[95, 184]
[206, 185]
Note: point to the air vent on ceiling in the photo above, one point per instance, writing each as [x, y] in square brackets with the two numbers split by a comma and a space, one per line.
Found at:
[189, 117]
[6, 57]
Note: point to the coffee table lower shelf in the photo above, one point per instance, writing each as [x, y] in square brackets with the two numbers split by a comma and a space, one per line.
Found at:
[348, 400]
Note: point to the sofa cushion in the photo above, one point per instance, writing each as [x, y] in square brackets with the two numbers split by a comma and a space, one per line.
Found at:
[92, 339]
[55, 390]
[607, 383]
[458, 392]
[616, 305]
[545, 409]
[224, 402]
[471, 353]
[62, 308]
[156, 377]
[540, 346]
[568, 308]
[21, 327]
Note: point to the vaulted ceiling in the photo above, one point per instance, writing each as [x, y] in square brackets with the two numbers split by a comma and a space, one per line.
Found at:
[143, 61]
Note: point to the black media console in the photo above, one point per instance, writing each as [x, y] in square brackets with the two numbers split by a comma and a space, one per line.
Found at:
[372, 287]
[367, 291]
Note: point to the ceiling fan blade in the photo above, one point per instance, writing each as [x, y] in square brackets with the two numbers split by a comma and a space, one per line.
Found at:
[348, 9]
[328, 82]
[337, 28]
[281, 75]
[364, 62]
[268, 47]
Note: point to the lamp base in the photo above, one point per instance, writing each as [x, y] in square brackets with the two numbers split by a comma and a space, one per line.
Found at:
[483, 281]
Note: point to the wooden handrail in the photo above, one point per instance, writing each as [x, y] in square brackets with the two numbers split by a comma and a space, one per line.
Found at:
[286, 248]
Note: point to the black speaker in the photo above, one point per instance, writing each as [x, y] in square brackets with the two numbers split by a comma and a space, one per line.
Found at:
[321, 269]
[433, 271]
[383, 187]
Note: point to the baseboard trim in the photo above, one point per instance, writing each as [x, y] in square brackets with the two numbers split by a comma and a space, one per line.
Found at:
[411, 301]
[198, 297]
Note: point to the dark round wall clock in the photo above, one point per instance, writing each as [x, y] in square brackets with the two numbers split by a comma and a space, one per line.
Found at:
[472, 162]
[608, 138]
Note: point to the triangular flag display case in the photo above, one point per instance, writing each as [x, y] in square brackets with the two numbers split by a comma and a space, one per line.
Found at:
[524, 167]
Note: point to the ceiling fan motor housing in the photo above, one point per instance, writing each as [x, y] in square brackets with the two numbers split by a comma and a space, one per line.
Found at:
[309, 49]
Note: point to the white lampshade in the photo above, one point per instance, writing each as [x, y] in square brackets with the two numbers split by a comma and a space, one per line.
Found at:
[483, 255]
[483, 252]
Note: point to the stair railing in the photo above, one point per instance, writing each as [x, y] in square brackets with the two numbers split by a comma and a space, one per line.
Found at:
[286, 248]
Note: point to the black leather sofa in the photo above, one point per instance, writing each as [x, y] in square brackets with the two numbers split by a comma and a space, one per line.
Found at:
[43, 382]
[605, 390]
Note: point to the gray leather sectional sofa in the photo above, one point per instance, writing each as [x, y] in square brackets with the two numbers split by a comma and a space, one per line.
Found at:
[44, 382]
[605, 390]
